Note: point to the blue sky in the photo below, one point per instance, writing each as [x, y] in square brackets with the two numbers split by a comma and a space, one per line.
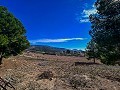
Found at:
[58, 23]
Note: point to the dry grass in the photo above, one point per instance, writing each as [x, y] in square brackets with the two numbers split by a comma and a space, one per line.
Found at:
[22, 71]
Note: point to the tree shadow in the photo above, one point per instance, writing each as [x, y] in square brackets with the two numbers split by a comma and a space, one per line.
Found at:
[85, 63]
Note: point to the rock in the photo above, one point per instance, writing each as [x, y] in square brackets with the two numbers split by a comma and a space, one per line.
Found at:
[45, 75]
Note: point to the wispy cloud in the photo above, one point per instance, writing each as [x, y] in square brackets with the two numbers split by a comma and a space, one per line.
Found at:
[86, 13]
[84, 20]
[83, 17]
[54, 40]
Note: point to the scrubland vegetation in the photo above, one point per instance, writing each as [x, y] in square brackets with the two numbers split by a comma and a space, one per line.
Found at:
[32, 71]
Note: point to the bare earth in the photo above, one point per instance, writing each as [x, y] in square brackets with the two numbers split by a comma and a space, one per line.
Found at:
[23, 72]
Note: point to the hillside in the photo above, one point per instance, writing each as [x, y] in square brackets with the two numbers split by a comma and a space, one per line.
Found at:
[53, 50]
[33, 71]
[43, 48]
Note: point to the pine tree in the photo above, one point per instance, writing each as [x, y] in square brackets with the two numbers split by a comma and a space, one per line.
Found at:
[12, 35]
[92, 51]
[106, 30]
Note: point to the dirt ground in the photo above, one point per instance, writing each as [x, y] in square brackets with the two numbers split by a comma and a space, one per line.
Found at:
[69, 73]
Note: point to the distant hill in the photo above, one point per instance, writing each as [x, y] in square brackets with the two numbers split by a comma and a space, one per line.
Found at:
[52, 50]
[43, 48]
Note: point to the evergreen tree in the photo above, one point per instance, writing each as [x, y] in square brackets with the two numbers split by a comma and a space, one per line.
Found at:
[106, 30]
[68, 52]
[12, 35]
[92, 51]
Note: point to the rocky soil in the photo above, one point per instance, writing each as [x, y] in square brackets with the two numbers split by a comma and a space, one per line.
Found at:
[32, 71]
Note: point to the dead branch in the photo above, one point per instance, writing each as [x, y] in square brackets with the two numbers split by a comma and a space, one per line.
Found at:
[4, 84]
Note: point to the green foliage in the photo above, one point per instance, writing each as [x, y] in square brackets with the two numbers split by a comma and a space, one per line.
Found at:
[68, 51]
[12, 34]
[92, 50]
[106, 31]
[3, 40]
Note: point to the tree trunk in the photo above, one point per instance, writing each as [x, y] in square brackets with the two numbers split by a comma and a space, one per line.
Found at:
[0, 60]
[94, 55]
[94, 60]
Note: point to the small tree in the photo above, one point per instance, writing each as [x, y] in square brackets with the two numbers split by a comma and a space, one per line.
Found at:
[92, 51]
[12, 35]
[68, 52]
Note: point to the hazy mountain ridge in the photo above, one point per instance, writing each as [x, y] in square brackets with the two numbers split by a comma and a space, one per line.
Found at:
[50, 49]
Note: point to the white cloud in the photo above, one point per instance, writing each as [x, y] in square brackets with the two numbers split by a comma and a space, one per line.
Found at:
[54, 40]
[85, 15]
[87, 11]
[84, 20]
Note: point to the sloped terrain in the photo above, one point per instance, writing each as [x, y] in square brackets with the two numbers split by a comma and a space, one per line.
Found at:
[32, 71]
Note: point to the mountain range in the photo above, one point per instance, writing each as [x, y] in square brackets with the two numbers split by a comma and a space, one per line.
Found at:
[50, 49]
